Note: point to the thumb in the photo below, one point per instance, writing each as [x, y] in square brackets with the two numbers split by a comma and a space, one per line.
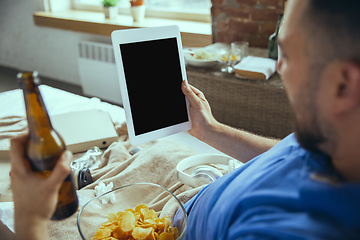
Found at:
[189, 93]
[61, 170]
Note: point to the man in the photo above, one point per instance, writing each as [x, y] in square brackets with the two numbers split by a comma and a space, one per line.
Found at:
[292, 191]
[285, 190]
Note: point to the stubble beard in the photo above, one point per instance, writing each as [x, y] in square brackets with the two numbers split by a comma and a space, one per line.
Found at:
[309, 134]
[314, 133]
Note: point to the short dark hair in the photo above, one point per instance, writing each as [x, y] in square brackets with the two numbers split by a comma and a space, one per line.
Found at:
[333, 28]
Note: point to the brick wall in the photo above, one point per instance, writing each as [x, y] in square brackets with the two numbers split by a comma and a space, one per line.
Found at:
[249, 20]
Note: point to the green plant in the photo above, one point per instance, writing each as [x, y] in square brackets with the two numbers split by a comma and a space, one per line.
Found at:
[109, 3]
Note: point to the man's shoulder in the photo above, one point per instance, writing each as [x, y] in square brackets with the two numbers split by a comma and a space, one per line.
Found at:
[287, 148]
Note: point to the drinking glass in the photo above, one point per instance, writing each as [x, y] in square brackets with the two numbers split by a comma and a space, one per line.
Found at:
[223, 57]
[239, 50]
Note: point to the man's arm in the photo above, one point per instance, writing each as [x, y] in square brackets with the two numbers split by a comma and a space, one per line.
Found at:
[237, 143]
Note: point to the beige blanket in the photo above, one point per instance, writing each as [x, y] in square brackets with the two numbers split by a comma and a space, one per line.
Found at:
[155, 163]
[9, 127]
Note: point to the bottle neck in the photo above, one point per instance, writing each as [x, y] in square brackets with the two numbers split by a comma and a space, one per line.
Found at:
[274, 35]
[278, 24]
[37, 115]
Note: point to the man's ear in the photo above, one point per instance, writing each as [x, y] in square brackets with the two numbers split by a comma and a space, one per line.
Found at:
[347, 88]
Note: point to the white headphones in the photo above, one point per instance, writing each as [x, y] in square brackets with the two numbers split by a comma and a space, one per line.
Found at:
[203, 174]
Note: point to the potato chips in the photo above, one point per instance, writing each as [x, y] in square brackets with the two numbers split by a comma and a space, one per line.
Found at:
[140, 223]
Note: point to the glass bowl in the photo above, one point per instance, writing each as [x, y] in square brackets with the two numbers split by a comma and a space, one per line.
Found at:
[93, 214]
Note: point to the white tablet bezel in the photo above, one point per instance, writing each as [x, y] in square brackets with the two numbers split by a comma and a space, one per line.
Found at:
[139, 35]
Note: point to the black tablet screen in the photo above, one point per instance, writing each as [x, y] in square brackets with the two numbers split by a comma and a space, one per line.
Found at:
[153, 78]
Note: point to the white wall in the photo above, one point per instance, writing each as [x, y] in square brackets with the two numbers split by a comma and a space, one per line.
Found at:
[25, 46]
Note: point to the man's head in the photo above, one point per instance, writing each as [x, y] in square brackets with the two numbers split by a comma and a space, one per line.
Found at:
[320, 65]
[333, 29]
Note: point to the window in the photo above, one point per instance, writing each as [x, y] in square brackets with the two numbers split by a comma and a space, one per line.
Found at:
[197, 10]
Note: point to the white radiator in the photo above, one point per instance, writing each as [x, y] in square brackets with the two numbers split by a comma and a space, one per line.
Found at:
[98, 72]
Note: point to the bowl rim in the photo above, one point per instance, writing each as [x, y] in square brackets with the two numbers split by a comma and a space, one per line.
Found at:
[128, 185]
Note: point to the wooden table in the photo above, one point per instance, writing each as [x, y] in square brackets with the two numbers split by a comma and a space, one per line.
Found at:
[257, 106]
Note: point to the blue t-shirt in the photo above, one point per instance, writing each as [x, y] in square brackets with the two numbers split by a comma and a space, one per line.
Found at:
[284, 193]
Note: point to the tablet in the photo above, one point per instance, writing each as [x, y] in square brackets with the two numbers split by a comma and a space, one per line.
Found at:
[151, 69]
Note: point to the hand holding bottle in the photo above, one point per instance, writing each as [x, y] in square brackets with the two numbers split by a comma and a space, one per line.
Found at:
[35, 198]
[44, 145]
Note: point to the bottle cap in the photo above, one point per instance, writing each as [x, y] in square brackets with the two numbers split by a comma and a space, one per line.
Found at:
[26, 75]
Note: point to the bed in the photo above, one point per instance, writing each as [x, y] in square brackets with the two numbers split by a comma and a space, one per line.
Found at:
[59, 102]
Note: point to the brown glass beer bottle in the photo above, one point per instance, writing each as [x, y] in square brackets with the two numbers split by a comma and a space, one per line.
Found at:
[45, 146]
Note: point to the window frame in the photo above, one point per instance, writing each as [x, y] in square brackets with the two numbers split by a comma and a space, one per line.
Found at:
[149, 13]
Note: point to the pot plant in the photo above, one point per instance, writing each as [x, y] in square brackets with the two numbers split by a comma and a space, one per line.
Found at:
[110, 9]
[137, 10]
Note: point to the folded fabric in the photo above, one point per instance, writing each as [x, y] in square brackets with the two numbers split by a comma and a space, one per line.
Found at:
[257, 68]
[11, 126]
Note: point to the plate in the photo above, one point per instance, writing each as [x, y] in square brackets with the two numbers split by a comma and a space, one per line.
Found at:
[198, 62]
[201, 63]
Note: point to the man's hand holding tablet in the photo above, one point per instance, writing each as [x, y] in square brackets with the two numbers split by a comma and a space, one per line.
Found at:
[151, 69]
